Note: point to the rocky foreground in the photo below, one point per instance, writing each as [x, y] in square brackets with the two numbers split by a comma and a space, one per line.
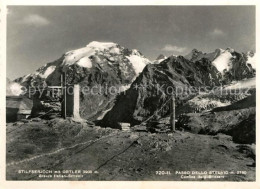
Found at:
[82, 151]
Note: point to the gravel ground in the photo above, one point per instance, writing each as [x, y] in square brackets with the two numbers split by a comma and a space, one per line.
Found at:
[83, 152]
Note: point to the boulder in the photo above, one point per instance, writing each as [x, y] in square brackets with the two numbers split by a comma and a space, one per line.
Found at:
[245, 131]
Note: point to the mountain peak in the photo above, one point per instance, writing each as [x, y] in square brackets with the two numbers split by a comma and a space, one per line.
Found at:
[195, 50]
[194, 54]
[161, 56]
[250, 53]
[136, 52]
[229, 49]
[218, 50]
[101, 45]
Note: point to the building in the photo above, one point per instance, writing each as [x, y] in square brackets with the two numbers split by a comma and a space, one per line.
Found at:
[18, 108]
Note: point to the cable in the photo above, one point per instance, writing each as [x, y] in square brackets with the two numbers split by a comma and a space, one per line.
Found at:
[60, 150]
[156, 112]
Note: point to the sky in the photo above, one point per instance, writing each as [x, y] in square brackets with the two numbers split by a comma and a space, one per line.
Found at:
[37, 35]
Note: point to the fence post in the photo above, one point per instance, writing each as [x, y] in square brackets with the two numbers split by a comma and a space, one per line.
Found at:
[172, 117]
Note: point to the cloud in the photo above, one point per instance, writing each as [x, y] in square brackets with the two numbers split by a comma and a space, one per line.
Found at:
[35, 20]
[174, 48]
[217, 32]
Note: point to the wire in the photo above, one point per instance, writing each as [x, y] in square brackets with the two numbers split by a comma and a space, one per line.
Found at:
[61, 149]
[156, 112]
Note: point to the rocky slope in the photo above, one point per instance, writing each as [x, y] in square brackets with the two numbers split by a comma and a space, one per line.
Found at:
[146, 87]
[157, 81]
[97, 66]
[202, 70]
[159, 59]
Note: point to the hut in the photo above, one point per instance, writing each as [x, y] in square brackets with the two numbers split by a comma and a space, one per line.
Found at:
[18, 108]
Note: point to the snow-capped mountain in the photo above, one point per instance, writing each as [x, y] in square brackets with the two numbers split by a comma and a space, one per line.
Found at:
[97, 64]
[223, 60]
[107, 64]
[196, 70]
[195, 54]
[96, 54]
[84, 56]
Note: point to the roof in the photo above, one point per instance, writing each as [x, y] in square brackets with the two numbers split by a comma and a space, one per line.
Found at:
[26, 112]
[21, 103]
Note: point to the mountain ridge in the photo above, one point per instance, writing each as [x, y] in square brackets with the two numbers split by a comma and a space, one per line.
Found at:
[109, 64]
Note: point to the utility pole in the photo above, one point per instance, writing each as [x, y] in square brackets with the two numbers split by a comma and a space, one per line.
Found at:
[172, 117]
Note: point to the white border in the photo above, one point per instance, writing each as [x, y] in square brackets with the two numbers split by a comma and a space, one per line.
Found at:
[114, 184]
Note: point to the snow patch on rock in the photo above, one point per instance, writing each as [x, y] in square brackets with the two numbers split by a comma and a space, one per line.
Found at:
[115, 50]
[74, 56]
[223, 61]
[252, 60]
[48, 71]
[25, 78]
[124, 88]
[85, 62]
[206, 103]
[159, 59]
[103, 114]
[101, 45]
[247, 83]
[81, 56]
[138, 62]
